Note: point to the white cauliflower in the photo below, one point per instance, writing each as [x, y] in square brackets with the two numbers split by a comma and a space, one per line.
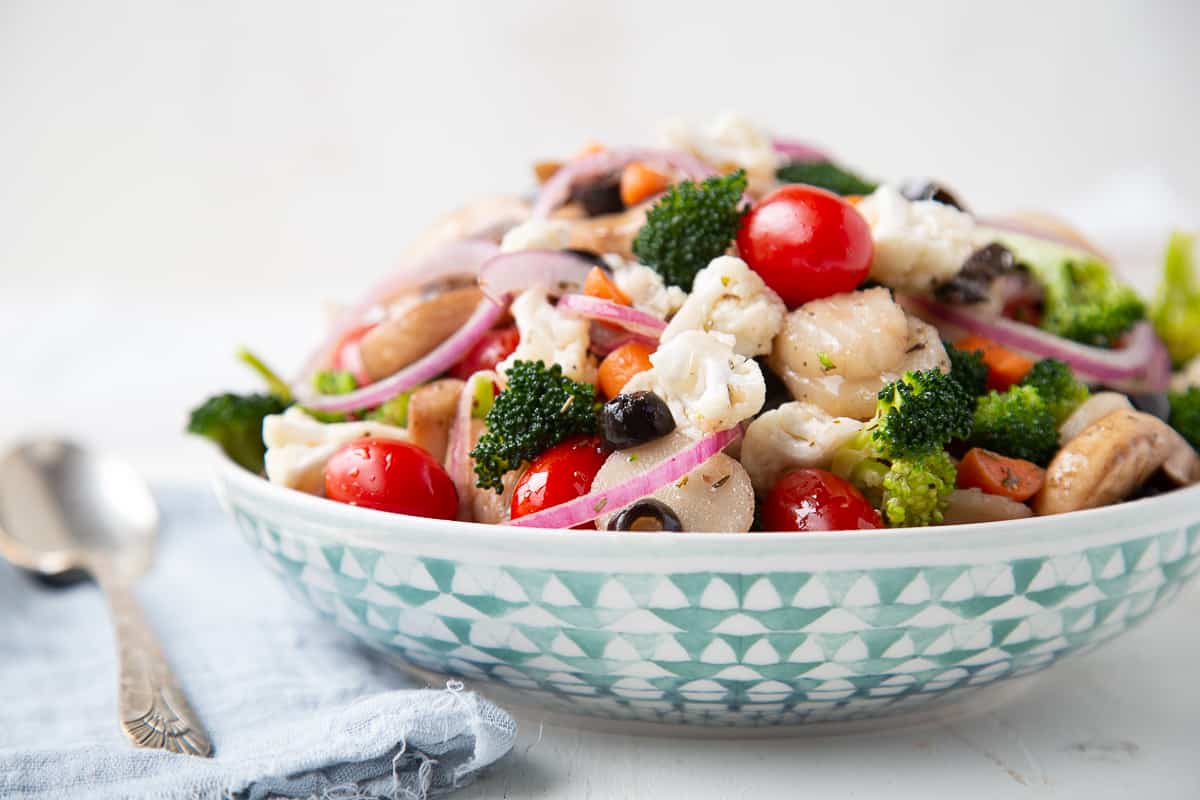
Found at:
[730, 140]
[792, 436]
[729, 297]
[537, 234]
[299, 446]
[704, 382]
[1187, 377]
[919, 244]
[645, 287]
[550, 336]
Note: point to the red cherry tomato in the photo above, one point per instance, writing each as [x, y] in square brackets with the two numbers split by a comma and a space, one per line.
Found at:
[806, 243]
[562, 473]
[816, 500]
[350, 337]
[489, 351]
[390, 476]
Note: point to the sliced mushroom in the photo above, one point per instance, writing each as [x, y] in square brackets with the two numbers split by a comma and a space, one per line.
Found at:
[609, 233]
[487, 217]
[1094, 408]
[430, 414]
[485, 505]
[972, 505]
[418, 328]
[1111, 459]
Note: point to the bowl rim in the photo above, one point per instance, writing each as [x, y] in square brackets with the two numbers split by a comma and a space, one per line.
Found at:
[369, 523]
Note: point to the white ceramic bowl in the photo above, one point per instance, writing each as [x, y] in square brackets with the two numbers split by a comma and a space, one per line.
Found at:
[725, 629]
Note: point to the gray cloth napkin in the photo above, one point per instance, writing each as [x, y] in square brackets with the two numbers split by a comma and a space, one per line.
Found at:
[293, 706]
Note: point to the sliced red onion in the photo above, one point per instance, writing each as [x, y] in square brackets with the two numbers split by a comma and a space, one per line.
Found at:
[1033, 230]
[453, 258]
[796, 150]
[559, 272]
[627, 317]
[440, 359]
[590, 506]
[1138, 362]
[458, 447]
[556, 191]
[602, 339]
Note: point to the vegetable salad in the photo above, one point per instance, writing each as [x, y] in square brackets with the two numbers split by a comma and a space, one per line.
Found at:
[735, 332]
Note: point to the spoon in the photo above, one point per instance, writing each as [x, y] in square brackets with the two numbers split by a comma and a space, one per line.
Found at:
[63, 508]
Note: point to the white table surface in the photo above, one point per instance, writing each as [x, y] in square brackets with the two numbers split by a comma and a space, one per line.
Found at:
[120, 371]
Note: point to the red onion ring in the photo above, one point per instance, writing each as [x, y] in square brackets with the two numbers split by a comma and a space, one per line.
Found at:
[437, 361]
[627, 317]
[796, 150]
[458, 448]
[592, 505]
[1138, 361]
[1035, 231]
[556, 191]
[453, 258]
[558, 271]
[602, 339]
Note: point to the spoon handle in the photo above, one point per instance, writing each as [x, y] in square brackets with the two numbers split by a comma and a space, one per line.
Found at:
[153, 709]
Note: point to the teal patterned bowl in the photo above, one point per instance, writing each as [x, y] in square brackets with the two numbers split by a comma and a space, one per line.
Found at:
[725, 629]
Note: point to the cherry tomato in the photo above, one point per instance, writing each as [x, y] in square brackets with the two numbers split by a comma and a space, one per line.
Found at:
[351, 337]
[806, 243]
[390, 476]
[562, 473]
[489, 351]
[816, 500]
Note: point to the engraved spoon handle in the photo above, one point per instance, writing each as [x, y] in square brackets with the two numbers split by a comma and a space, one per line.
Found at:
[153, 709]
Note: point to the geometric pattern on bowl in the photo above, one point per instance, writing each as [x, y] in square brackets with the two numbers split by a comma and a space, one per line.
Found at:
[741, 648]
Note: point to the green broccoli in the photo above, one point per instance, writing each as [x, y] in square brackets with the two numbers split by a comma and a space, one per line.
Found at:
[920, 414]
[1060, 390]
[235, 423]
[537, 409]
[825, 175]
[1017, 423]
[690, 226]
[393, 412]
[1185, 414]
[1177, 310]
[968, 369]
[898, 459]
[334, 381]
[275, 384]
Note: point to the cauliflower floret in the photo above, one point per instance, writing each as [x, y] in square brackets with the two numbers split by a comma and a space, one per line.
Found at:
[919, 244]
[537, 234]
[704, 382]
[299, 446]
[645, 287]
[729, 140]
[792, 436]
[550, 336]
[1187, 377]
[729, 297]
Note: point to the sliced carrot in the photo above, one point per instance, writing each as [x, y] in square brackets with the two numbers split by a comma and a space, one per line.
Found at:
[544, 170]
[622, 364]
[639, 182]
[1005, 368]
[993, 473]
[590, 147]
[853, 199]
[598, 284]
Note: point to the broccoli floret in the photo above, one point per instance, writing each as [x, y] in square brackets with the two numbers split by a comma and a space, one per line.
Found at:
[334, 381]
[1085, 303]
[235, 423]
[690, 226]
[1017, 423]
[1177, 309]
[537, 409]
[1185, 414]
[393, 412]
[915, 491]
[825, 175]
[968, 369]
[898, 460]
[920, 413]
[1060, 390]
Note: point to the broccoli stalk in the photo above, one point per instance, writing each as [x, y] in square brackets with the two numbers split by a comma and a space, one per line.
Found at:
[1185, 414]
[235, 421]
[898, 459]
[1017, 423]
[824, 175]
[690, 226]
[1058, 387]
[537, 409]
[1177, 309]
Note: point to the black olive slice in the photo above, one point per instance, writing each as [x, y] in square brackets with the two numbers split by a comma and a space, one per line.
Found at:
[925, 189]
[629, 420]
[646, 515]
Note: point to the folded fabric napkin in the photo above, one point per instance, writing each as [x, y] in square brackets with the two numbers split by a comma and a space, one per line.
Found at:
[293, 706]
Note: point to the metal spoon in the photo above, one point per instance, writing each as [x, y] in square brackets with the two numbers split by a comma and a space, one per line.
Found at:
[64, 508]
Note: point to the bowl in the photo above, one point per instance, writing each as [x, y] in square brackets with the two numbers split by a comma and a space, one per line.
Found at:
[747, 630]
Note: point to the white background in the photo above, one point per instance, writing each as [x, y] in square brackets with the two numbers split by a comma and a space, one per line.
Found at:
[178, 178]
